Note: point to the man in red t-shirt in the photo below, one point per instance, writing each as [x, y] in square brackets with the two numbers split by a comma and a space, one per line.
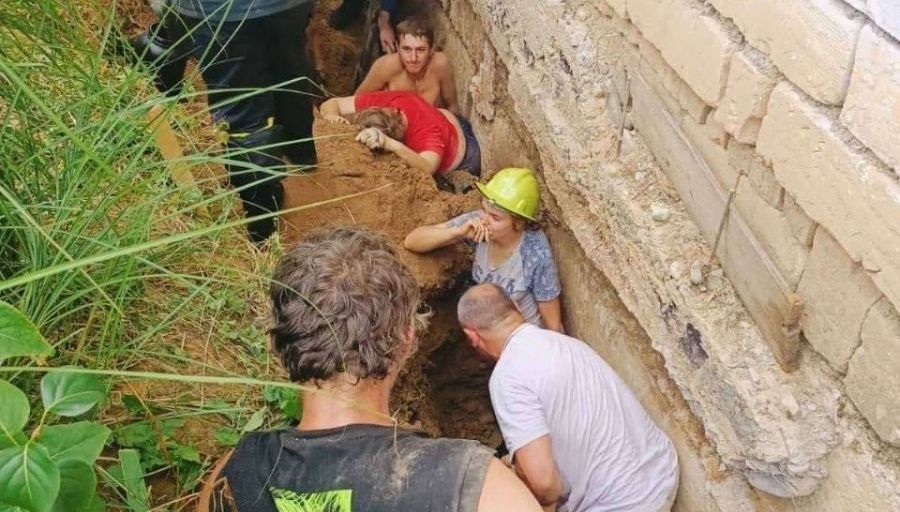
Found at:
[427, 138]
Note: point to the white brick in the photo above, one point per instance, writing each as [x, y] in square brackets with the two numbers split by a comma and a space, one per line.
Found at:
[764, 182]
[886, 13]
[715, 156]
[674, 92]
[803, 228]
[841, 188]
[873, 377]
[836, 294]
[773, 232]
[693, 42]
[811, 41]
[762, 289]
[872, 108]
[750, 82]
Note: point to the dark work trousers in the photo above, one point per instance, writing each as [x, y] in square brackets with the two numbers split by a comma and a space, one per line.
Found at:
[236, 59]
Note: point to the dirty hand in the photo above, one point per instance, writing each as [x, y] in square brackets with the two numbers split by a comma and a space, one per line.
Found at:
[388, 39]
[476, 231]
[371, 137]
[336, 119]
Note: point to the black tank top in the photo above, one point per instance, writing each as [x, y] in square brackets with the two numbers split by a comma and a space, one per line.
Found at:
[357, 468]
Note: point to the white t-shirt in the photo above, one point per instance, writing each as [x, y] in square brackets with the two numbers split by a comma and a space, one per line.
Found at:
[611, 455]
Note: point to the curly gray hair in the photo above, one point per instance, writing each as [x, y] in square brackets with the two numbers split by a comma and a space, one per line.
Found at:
[342, 301]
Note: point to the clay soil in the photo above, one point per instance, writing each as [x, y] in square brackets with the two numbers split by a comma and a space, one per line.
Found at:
[443, 390]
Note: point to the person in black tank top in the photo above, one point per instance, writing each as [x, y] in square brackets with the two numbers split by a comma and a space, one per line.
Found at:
[344, 318]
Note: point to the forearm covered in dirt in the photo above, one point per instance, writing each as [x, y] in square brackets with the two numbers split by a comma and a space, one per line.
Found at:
[416, 160]
[429, 238]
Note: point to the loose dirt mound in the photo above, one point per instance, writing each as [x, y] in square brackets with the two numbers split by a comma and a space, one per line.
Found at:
[410, 199]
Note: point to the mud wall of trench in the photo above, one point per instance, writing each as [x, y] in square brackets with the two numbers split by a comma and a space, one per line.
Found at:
[746, 363]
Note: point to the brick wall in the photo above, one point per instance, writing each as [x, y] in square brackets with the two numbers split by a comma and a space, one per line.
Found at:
[787, 115]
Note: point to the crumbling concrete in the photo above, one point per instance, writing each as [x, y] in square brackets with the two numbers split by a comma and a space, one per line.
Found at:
[559, 83]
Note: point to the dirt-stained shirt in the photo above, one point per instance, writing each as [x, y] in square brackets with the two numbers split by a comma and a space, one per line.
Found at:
[528, 276]
[356, 468]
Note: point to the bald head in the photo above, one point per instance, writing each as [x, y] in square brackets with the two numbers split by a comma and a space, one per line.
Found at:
[484, 306]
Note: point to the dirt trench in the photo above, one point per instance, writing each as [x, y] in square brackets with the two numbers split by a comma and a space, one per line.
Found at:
[443, 390]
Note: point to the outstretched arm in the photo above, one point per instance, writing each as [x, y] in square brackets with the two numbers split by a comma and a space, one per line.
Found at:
[427, 161]
[428, 238]
[334, 109]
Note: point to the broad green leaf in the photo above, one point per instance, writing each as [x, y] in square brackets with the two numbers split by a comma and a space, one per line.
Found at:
[14, 411]
[20, 337]
[227, 436]
[136, 494]
[256, 420]
[96, 505]
[133, 404]
[77, 486]
[29, 477]
[188, 453]
[18, 439]
[70, 394]
[82, 441]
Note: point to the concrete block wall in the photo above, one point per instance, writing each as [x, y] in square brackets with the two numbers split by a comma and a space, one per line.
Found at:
[814, 86]
[790, 104]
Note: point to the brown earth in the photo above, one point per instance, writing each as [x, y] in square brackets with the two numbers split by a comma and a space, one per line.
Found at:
[443, 390]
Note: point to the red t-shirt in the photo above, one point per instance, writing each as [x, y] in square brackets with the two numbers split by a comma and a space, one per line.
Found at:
[427, 128]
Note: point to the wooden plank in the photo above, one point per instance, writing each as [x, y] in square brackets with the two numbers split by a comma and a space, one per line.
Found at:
[771, 303]
[169, 147]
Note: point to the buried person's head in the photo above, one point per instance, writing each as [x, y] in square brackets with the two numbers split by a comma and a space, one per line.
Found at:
[511, 201]
[388, 120]
[343, 308]
[488, 316]
[415, 44]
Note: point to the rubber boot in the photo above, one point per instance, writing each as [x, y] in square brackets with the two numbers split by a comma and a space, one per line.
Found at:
[265, 192]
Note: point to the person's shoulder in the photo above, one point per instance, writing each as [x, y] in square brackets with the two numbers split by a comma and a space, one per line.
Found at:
[389, 63]
[536, 244]
[442, 451]
[441, 61]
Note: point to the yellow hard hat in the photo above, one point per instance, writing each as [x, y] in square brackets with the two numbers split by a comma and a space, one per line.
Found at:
[514, 189]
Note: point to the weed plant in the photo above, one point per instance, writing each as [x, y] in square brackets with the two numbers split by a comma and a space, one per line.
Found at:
[114, 264]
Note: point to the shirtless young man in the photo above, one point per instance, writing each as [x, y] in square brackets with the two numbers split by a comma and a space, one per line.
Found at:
[416, 67]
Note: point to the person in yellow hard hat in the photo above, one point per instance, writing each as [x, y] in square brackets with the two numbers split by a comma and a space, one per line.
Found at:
[509, 250]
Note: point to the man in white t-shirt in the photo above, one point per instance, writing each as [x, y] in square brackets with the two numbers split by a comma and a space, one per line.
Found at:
[577, 435]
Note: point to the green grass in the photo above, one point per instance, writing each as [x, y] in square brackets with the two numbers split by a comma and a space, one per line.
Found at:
[109, 259]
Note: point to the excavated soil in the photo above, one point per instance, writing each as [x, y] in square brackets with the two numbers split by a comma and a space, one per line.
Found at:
[443, 390]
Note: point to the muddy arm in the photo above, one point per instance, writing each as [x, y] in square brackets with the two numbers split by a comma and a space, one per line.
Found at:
[333, 109]
[427, 161]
